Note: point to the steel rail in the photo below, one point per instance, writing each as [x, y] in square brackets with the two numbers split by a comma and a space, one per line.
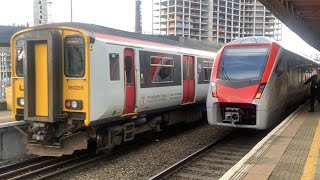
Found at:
[13, 166]
[62, 170]
[42, 168]
[189, 158]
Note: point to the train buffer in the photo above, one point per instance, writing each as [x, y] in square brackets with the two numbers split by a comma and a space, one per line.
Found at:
[289, 151]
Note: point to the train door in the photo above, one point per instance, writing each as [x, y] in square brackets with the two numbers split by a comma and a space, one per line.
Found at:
[188, 80]
[129, 81]
[41, 79]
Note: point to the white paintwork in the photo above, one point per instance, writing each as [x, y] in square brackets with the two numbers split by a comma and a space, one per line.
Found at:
[107, 97]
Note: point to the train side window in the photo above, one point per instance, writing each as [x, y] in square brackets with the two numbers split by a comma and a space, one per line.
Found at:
[114, 67]
[184, 70]
[161, 69]
[279, 68]
[74, 56]
[128, 61]
[191, 70]
[207, 66]
[19, 57]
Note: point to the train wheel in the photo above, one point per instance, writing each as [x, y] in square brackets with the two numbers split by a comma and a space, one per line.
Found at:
[103, 142]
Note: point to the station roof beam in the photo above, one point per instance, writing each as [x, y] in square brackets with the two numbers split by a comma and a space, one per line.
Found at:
[301, 16]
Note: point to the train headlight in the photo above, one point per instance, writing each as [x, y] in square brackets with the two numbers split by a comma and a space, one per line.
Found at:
[260, 91]
[20, 101]
[73, 104]
[214, 89]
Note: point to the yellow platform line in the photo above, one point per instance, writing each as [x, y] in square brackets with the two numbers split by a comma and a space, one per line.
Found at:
[311, 163]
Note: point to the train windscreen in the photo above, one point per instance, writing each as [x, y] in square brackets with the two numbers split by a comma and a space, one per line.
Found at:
[243, 64]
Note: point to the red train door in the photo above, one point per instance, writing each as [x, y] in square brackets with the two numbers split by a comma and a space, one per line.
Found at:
[188, 79]
[129, 81]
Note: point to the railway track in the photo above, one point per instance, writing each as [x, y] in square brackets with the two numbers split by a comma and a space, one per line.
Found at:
[214, 160]
[43, 168]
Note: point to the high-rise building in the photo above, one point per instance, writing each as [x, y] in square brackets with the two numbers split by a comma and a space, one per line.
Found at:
[40, 12]
[138, 23]
[214, 20]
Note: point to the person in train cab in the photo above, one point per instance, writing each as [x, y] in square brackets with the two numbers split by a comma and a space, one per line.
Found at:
[315, 89]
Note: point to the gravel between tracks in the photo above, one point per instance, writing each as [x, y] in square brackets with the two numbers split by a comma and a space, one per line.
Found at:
[17, 159]
[153, 156]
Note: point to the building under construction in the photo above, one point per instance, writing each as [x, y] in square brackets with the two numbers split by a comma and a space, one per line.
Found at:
[219, 21]
[42, 12]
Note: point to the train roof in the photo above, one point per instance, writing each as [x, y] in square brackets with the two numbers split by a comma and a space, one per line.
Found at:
[253, 40]
[266, 40]
[169, 40]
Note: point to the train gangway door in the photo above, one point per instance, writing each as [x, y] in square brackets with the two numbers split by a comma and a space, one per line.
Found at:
[41, 79]
[188, 80]
[129, 81]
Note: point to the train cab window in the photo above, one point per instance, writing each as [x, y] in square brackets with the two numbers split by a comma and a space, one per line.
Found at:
[161, 69]
[114, 67]
[19, 57]
[128, 61]
[74, 56]
[243, 64]
[279, 68]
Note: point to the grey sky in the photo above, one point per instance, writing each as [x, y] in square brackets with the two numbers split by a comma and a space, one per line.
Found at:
[111, 13]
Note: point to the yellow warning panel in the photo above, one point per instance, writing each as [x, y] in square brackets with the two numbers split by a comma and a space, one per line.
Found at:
[41, 63]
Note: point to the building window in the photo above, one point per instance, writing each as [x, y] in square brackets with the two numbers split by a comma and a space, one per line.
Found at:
[39, 2]
[40, 17]
[39, 21]
[161, 69]
[40, 7]
[40, 12]
[114, 67]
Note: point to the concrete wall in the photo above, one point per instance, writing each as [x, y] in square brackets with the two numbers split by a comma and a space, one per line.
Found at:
[11, 142]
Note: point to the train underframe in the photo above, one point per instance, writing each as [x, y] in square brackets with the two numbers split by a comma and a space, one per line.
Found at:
[66, 136]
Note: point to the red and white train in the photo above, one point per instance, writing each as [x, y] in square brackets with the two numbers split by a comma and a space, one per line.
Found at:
[253, 82]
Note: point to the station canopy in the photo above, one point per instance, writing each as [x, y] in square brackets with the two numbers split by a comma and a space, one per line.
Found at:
[301, 16]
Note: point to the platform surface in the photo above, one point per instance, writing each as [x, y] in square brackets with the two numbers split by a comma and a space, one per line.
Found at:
[290, 151]
[5, 116]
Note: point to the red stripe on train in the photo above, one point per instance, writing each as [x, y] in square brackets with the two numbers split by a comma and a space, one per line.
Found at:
[128, 40]
[236, 95]
[270, 63]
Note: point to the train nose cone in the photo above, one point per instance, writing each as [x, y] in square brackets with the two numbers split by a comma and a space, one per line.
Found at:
[236, 95]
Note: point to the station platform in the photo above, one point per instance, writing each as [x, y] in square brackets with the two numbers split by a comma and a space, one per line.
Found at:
[5, 116]
[11, 136]
[289, 151]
